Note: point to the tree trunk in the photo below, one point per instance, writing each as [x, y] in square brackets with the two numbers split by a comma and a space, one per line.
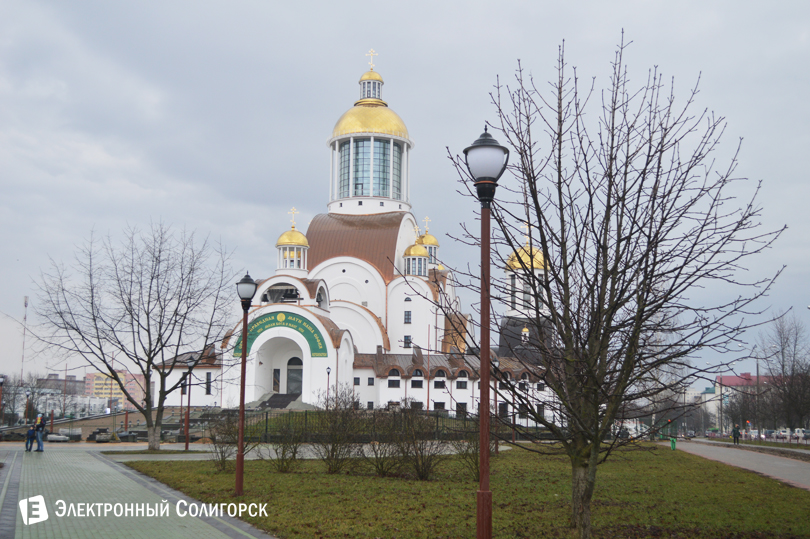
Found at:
[583, 480]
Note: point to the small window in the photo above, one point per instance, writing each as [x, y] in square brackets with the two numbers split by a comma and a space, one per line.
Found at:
[541, 410]
[440, 374]
[208, 383]
[541, 387]
[407, 317]
[371, 381]
[523, 411]
[461, 384]
[461, 409]
[393, 372]
[438, 384]
[522, 386]
[393, 383]
[503, 409]
[407, 299]
[417, 405]
[416, 384]
[438, 406]
[407, 341]
[524, 376]
[357, 380]
[462, 374]
[356, 405]
[370, 405]
[183, 387]
[418, 372]
[503, 385]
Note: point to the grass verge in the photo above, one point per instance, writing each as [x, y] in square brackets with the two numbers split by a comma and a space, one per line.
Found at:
[639, 494]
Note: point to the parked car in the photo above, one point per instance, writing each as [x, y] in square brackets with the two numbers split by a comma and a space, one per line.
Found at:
[768, 433]
[798, 434]
[753, 434]
[782, 434]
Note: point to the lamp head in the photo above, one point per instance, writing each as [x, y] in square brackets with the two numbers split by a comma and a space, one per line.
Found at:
[328, 371]
[486, 160]
[246, 289]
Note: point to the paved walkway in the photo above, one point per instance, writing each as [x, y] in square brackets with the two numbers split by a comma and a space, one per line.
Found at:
[791, 471]
[81, 474]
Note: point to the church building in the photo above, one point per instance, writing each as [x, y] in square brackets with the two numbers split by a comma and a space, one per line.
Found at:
[355, 301]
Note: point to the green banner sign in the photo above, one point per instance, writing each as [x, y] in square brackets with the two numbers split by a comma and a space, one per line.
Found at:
[317, 346]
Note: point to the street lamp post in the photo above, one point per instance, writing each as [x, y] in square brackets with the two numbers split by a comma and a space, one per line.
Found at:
[2, 402]
[496, 363]
[486, 161]
[328, 372]
[27, 397]
[245, 289]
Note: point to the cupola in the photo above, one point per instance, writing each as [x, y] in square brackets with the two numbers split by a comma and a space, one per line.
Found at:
[525, 272]
[292, 248]
[430, 243]
[416, 260]
[370, 152]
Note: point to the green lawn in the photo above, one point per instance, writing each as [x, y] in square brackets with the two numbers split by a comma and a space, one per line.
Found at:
[656, 493]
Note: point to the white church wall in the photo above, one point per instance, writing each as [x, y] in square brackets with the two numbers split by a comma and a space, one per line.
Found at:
[405, 238]
[353, 280]
[363, 391]
[364, 328]
[407, 294]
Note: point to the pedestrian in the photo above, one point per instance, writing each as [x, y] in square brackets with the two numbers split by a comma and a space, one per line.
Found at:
[736, 434]
[40, 428]
[30, 436]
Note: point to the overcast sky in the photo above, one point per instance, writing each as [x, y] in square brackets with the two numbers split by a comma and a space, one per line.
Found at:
[214, 116]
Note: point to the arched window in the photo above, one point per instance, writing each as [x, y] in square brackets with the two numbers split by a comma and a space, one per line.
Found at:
[439, 384]
[524, 376]
[462, 374]
[407, 299]
[393, 372]
[294, 361]
[417, 372]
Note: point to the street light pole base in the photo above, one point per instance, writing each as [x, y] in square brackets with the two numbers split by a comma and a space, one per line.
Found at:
[484, 515]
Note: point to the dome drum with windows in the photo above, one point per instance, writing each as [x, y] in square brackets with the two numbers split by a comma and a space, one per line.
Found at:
[370, 149]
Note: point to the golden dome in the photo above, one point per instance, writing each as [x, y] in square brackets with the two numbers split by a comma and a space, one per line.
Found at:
[416, 250]
[440, 267]
[292, 237]
[370, 116]
[531, 258]
[371, 75]
[428, 239]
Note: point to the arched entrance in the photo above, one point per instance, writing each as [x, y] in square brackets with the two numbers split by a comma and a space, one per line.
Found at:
[280, 367]
[295, 375]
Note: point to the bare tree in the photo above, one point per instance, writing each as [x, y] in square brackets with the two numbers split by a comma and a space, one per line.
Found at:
[787, 348]
[621, 223]
[137, 307]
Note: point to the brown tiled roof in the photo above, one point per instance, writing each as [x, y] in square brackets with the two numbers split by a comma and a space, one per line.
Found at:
[451, 364]
[372, 238]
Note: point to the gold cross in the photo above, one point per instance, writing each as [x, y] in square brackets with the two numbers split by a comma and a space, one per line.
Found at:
[416, 230]
[371, 62]
[426, 220]
[525, 226]
[293, 212]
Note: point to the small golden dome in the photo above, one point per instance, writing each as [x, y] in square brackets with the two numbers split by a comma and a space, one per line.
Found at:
[370, 116]
[416, 250]
[292, 237]
[440, 267]
[371, 75]
[428, 239]
[531, 257]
